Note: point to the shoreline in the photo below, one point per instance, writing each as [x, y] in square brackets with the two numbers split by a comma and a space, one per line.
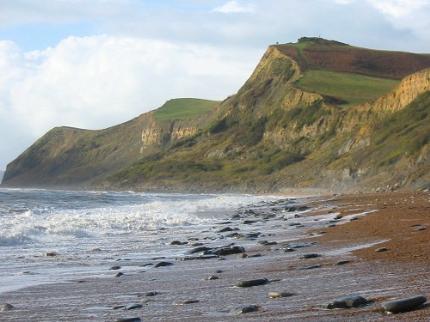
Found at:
[377, 276]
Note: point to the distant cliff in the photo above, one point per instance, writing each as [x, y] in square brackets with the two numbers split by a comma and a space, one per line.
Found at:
[75, 157]
[314, 114]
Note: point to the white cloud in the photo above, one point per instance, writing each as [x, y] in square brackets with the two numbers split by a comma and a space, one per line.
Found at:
[398, 8]
[235, 7]
[98, 81]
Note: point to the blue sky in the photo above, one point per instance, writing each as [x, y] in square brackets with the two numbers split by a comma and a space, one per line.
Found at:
[95, 63]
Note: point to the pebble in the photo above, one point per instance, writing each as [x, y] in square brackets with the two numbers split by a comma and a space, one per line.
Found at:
[289, 250]
[133, 306]
[199, 249]
[212, 278]
[163, 264]
[250, 283]
[311, 267]
[381, 250]
[275, 295]
[119, 274]
[344, 262]
[404, 305]
[307, 256]
[228, 250]
[178, 242]
[249, 309]
[114, 268]
[6, 307]
[267, 243]
[348, 302]
[51, 254]
[129, 320]
[152, 293]
[187, 302]
[226, 229]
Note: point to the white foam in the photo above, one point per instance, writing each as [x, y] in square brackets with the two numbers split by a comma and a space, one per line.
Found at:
[48, 225]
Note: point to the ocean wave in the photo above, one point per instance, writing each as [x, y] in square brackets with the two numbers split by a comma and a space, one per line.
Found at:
[48, 224]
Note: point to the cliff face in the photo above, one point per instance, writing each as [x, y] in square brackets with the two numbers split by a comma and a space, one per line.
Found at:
[271, 135]
[68, 156]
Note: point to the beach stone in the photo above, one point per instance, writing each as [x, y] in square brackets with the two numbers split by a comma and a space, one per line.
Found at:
[219, 271]
[51, 254]
[163, 264]
[344, 262]
[201, 257]
[212, 278]
[267, 243]
[119, 274]
[186, 302]
[251, 283]
[311, 267]
[275, 295]
[249, 222]
[253, 235]
[178, 242]
[249, 309]
[129, 320]
[199, 249]
[133, 306]
[114, 268]
[348, 302]
[381, 250]
[6, 307]
[235, 235]
[422, 228]
[308, 256]
[226, 229]
[228, 250]
[152, 293]
[404, 305]
[289, 250]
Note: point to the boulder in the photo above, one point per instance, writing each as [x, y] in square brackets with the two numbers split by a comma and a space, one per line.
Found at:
[348, 302]
[404, 305]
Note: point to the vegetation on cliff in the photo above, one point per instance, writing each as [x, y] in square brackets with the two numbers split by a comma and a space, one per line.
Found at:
[316, 113]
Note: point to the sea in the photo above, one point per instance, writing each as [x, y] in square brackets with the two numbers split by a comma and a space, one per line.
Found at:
[86, 231]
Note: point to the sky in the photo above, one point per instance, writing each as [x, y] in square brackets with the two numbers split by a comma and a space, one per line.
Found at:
[95, 63]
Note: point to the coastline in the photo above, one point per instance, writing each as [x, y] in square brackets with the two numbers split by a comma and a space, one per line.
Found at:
[376, 275]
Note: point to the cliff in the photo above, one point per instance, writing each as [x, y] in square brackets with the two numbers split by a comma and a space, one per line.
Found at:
[313, 114]
[75, 157]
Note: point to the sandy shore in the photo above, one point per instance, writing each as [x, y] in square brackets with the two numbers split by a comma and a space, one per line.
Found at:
[399, 222]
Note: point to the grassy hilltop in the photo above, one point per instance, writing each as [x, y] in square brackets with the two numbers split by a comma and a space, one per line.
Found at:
[316, 113]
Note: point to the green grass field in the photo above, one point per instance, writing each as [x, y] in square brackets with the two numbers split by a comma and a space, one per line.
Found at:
[350, 88]
[183, 108]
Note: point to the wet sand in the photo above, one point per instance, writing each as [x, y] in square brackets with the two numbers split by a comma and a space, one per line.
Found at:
[383, 220]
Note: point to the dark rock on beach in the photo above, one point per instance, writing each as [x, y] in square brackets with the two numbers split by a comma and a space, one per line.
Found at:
[152, 293]
[249, 309]
[119, 274]
[114, 268]
[343, 262]
[308, 256]
[404, 305]
[133, 306]
[163, 264]
[275, 295]
[348, 302]
[186, 302]
[227, 250]
[381, 250]
[129, 320]
[6, 307]
[178, 242]
[251, 283]
[199, 249]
